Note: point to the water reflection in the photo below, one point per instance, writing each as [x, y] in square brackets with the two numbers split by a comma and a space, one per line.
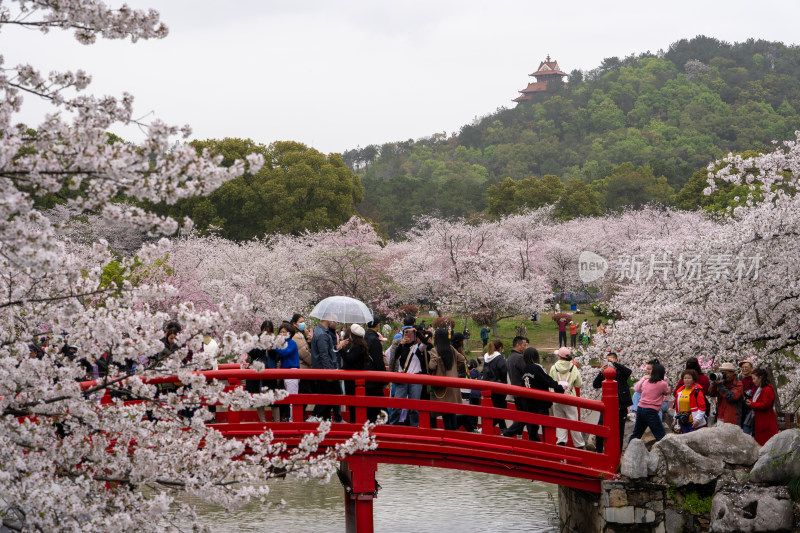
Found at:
[422, 500]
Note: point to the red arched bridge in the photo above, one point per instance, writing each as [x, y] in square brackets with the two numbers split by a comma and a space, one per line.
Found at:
[485, 451]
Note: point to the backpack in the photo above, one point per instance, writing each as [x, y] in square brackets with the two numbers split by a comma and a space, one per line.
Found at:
[564, 382]
[488, 373]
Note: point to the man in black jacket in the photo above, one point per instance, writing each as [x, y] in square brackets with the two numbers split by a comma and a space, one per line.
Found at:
[624, 392]
[375, 363]
[516, 367]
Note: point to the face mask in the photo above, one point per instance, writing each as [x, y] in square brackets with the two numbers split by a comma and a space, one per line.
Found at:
[301, 326]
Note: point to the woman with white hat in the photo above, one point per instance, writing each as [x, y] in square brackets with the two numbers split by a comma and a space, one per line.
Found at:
[355, 356]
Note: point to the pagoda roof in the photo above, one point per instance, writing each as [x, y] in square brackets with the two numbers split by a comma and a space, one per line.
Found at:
[548, 67]
[535, 87]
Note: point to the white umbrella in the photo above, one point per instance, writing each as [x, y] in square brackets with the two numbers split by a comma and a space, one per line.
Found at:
[346, 310]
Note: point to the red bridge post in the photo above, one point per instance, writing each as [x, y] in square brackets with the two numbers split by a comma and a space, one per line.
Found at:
[487, 424]
[359, 471]
[611, 419]
[360, 416]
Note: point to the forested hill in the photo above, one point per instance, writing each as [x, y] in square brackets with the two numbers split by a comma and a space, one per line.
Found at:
[632, 130]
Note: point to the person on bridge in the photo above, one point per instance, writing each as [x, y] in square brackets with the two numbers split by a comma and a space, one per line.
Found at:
[535, 377]
[516, 368]
[444, 361]
[623, 392]
[305, 386]
[355, 356]
[409, 357]
[569, 377]
[323, 358]
[290, 358]
[268, 358]
[495, 369]
[375, 364]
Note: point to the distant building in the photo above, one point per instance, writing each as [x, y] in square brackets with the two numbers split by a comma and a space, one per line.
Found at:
[547, 72]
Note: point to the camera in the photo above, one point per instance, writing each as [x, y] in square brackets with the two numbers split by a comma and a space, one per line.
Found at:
[714, 377]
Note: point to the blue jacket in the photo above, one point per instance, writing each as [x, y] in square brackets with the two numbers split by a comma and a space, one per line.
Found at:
[322, 347]
[290, 356]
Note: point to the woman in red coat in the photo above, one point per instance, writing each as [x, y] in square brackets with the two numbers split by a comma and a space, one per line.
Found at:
[762, 404]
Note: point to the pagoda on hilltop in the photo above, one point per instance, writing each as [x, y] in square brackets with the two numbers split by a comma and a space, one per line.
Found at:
[548, 71]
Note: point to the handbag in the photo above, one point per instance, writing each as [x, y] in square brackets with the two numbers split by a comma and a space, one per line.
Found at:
[749, 420]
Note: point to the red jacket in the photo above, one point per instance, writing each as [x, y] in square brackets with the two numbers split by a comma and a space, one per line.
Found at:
[765, 422]
[729, 411]
[697, 402]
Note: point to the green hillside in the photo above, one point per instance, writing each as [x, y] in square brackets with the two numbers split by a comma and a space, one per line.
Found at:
[631, 131]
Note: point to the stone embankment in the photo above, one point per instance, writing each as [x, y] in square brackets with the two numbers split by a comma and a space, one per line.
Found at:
[717, 480]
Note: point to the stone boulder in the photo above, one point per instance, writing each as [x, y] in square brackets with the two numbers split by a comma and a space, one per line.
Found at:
[779, 459]
[751, 509]
[700, 457]
[634, 461]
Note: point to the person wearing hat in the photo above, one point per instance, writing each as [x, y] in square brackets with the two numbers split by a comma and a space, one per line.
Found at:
[375, 363]
[410, 357]
[569, 377]
[355, 356]
[729, 392]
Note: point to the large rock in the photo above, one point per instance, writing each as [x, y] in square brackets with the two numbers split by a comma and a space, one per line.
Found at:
[634, 462]
[751, 509]
[778, 459]
[680, 465]
[700, 457]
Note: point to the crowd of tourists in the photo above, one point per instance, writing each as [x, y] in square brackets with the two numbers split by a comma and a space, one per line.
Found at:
[744, 396]
[741, 395]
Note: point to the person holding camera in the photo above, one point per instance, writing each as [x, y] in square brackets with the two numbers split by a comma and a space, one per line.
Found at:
[729, 393]
[748, 390]
[690, 403]
[623, 392]
[409, 357]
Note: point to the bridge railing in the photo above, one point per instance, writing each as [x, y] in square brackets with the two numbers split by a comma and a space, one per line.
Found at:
[244, 423]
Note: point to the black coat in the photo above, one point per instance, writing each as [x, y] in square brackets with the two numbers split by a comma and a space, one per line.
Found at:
[535, 377]
[623, 389]
[354, 358]
[375, 363]
[495, 370]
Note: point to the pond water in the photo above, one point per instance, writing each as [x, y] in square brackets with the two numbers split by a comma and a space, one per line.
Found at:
[412, 499]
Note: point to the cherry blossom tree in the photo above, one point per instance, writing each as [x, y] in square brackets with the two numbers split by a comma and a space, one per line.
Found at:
[723, 289]
[349, 260]
[66, 463]
[463, 267]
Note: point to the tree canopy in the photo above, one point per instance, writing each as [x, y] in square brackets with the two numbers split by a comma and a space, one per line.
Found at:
[667, 115]
[297, 189]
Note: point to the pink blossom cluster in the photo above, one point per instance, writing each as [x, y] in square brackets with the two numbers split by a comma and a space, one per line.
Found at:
[67, 464]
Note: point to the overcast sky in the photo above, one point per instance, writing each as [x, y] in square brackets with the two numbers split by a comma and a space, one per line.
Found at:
[336, 75]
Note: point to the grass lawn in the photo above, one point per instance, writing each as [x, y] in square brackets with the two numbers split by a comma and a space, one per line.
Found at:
[542, 336]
